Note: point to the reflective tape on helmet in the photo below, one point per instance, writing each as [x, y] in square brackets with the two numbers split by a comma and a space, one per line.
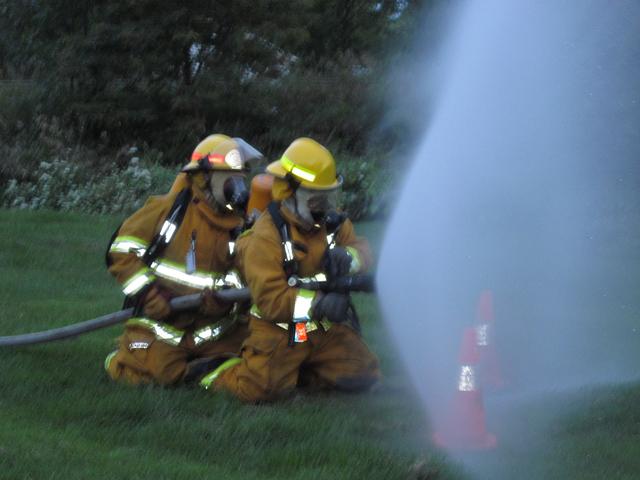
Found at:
[162, 331]
[302, 305]
[212, 332]
[129, 244]
[138, 281]
[356, 261]
[297, 170]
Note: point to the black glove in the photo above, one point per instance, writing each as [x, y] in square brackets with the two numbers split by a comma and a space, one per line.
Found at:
[333, 307]
[337, 262]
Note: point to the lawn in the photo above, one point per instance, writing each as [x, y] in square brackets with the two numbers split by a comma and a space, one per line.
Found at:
[60, 416]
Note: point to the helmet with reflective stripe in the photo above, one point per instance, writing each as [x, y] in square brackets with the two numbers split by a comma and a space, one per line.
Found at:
[309, 164]
[219, 152]
[203, 148]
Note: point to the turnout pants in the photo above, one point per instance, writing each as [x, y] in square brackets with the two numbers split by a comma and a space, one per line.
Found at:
[143, 358]
[335, 358]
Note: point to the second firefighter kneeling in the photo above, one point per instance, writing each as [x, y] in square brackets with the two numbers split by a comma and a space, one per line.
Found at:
[299, 337]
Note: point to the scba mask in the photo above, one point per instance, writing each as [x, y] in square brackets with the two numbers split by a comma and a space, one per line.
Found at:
[229, 191]
[312, 206]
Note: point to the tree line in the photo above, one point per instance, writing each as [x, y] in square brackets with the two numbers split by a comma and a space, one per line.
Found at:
[167, 73]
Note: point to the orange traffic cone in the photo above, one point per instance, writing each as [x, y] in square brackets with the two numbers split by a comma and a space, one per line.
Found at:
[490, 371]
[465, 428]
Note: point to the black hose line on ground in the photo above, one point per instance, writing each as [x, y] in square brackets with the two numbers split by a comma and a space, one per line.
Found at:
[178, 304]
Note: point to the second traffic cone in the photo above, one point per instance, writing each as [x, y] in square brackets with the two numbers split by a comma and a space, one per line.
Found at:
[490, 371]
[465, 426]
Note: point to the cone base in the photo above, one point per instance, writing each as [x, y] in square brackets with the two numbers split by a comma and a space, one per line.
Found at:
[487, 442]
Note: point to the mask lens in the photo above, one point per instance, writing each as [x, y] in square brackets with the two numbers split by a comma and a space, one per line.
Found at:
[235, 192]
[323, 201]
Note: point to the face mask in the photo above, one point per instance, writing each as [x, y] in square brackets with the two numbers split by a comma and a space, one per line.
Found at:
[229, 191]
[313, 205]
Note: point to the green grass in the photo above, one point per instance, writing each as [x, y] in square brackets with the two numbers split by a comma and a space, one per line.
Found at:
[60, 417]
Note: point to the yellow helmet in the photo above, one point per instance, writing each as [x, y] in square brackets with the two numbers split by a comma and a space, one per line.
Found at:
[202, 149]
[219, 152]
[209, 154]
[309, 164]
[207, 145]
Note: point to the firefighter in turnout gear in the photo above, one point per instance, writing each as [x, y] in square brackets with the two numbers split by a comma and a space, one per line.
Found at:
[299, 337]
[179, 244]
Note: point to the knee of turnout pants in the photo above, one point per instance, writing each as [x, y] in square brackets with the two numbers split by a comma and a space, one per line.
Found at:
[269, 367]
[341, 359]
[141, 358]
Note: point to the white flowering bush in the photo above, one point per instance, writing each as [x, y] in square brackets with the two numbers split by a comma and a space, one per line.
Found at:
[69, 184]
[64, 185]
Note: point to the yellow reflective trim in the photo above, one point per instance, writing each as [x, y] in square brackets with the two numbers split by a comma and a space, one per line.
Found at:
[310, 326]
[107, 361]
[297, 170]
[178, 273]
[137, 281]
[162, 331]
[302, 305]
[199, 279]
[128, 244]
[326, 324]
[255, 311]
[212, 332]
[208, 379]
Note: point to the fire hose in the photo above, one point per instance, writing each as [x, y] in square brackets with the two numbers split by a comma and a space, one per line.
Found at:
[362, 283]
[178, 304]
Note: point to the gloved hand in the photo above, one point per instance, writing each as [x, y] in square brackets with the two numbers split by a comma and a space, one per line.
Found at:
[337, 262]
[333, 306]
[212, 305]
[156, 304]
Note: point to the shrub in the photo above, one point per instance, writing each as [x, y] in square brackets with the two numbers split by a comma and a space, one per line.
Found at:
[62, 184]
[365, 187]
[71, 182]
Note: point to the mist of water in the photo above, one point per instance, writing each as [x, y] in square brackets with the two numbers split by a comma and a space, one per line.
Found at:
[526, 182]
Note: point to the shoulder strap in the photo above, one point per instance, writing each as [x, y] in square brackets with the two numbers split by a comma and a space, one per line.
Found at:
[333, 222]
[107, 258]
[289, 263]
[170, 226]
